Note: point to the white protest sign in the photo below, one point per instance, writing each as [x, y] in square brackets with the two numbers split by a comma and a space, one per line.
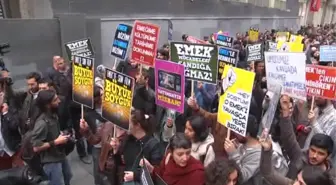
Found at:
[288, 70]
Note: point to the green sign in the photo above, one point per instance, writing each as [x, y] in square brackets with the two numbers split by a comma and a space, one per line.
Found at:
[200, 60]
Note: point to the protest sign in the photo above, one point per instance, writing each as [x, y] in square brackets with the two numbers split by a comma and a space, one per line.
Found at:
[199, 60]
[195, 40]
[118, 96]
[253, 34]
[169, 85]
[287, 70]
[81, 48]
[255, 52]
[234, 103]
[223, 40]
[274, 97]
[282, 36]
[170, 30]
[321, 81]
[327, 53]
[296, 38]
[226, 56]
[214, 35]
[83, 80]
[289, 47]
[121, 41]
[144, 43]
[271, 46]
[146, 178]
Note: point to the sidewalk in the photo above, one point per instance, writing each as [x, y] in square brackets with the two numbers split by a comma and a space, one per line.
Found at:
[82, 173]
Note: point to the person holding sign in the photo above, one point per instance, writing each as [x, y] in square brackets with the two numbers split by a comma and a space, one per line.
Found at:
[138, 144]
[178, 167]
[98, 133]
[217, 130]
[322, 119]
[320, 149]
[247, 153]
[309, 175]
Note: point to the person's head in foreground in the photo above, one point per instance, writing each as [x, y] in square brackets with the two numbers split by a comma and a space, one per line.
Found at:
[313, 175]
[222, 172]
[180, 149]
[321, 147]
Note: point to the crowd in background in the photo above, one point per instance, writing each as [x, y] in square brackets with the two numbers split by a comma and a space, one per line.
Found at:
[40, 127]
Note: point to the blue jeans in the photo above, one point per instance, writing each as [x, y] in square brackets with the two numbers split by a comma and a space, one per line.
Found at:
[58, 173]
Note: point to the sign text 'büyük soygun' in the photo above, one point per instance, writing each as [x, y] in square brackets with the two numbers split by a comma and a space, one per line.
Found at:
[82, 80]
[118, 96]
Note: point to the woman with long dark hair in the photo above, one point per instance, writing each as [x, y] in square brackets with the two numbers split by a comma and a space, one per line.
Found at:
[197, 131]
[138, 144]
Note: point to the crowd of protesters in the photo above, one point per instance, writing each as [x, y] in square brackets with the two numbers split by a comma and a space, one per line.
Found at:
[41, 127]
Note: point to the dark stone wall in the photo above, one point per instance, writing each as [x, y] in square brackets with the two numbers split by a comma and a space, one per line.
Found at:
[173, 8]
[35, 41]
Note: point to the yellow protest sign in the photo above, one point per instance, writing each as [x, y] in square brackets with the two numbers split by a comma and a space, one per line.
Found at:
[289, 47]
[296, 39]
[282, 36]
[118, 97]
[253, 35]
[83, 80]
[234, 103]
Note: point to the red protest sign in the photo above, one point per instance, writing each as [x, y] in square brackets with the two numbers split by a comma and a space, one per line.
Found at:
[144, 45]
[321, 81]
[195, 40]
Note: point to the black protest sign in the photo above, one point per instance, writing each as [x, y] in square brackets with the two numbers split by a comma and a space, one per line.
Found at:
[271, 46]
[121, 41]
[226, 56]
[81, 48]
[83, 80]
[199, 60]
[255, 52]
[223, 40]
[118, 97]
[146, 178]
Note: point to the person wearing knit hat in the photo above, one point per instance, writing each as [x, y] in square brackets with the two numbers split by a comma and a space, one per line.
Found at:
[48, 140]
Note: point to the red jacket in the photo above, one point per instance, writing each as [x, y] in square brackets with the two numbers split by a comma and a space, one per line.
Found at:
[173, 174]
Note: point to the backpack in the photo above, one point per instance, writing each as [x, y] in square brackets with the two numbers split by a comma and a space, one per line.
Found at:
[29, 156]
[202, 157]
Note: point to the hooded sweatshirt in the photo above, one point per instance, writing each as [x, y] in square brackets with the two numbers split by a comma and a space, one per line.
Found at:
[248, 159]
[203, 151]
[173, 174]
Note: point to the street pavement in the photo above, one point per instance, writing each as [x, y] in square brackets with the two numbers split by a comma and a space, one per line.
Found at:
[82, 173]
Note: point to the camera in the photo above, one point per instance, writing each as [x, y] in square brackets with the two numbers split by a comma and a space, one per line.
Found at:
[3, 48]
[21, 175]
[4, 79]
